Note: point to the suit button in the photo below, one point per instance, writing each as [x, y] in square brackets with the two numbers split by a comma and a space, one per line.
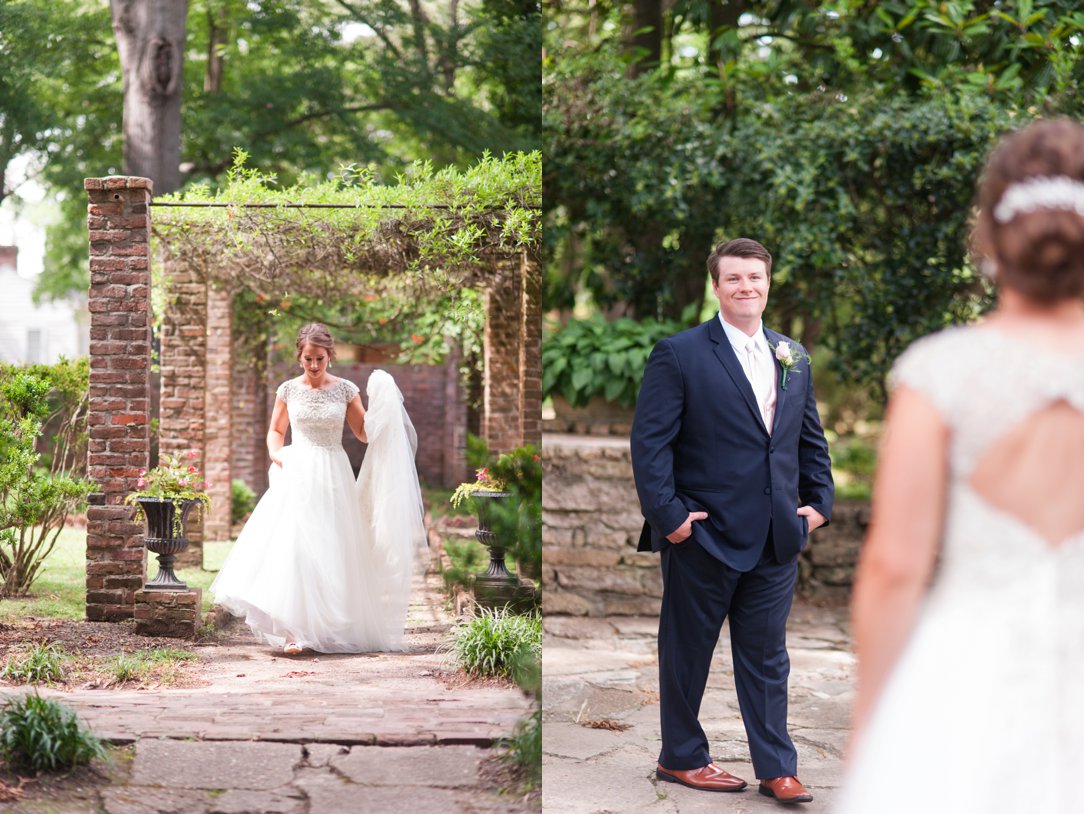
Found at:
[767, 490]
[771, 450]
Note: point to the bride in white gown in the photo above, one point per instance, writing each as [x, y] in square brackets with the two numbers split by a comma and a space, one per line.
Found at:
[325, 562]
[969, 602]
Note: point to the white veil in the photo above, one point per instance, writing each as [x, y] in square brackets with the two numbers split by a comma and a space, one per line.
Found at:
[391, 499]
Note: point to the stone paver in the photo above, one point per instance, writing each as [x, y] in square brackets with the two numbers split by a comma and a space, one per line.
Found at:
[605, 671]
[313, 734]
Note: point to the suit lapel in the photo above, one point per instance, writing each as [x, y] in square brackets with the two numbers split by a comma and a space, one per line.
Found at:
[724, 352]
[780, 393]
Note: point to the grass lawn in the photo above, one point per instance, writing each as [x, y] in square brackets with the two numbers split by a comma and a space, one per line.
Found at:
[60, 589]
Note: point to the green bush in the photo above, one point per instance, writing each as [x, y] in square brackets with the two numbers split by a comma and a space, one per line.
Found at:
[242, 500]
[43, 662]
[525, 748]
[498, 643]
[38, 735]
[35, 500]
[593, 357]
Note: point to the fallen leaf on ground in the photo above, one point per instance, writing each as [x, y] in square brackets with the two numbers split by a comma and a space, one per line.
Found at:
[298, 674]
[606, 723]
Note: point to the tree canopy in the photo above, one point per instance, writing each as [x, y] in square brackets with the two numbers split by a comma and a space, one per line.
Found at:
[303, 86]
[847, 136]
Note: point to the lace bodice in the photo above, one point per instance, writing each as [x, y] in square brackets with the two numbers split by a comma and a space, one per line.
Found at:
[316, 416]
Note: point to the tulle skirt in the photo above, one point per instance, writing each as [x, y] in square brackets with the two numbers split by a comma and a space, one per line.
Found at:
[304, 568]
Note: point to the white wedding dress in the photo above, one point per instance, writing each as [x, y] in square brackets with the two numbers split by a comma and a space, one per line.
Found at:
[984, 711]
[326, 561]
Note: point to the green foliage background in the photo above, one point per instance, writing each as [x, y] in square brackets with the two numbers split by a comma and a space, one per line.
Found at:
[847, 136]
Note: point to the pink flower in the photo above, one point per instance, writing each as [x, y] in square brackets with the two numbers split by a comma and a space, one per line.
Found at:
[141, 484]
[142, 472]
[206, 484]
[183, 481]
[191, 453]
[191, 469]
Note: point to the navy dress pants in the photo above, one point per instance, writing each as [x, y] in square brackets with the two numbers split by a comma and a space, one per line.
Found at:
[699, 592]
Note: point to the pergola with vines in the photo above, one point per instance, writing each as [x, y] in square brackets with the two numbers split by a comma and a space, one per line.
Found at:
[338, 240]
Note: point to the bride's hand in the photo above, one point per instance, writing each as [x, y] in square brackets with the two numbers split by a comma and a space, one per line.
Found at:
[276, 461]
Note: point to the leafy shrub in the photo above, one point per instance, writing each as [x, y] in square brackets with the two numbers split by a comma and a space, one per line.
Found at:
[242, 500]
[37, 734]
[35, 500]
[593, 357]
[43, 662]
[525, 748]
[498, 643]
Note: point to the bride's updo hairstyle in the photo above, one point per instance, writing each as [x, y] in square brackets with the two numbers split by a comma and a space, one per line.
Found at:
[1031, 211]
[315, 334]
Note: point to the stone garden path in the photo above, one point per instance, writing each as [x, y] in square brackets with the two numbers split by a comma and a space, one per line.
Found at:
[312, 734]
[600, 719]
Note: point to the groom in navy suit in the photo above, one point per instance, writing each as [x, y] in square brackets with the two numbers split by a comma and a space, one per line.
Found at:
[732, 472]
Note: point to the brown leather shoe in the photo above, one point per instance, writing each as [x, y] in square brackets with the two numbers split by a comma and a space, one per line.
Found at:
[706, 778]
[785, 790]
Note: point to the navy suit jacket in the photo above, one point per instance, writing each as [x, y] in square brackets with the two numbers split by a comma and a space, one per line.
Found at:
[699, 444]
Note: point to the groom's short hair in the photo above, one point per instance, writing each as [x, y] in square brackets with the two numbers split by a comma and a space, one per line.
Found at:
[738, 247]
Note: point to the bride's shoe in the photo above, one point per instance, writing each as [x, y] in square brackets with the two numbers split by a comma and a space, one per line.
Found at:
[292, 649]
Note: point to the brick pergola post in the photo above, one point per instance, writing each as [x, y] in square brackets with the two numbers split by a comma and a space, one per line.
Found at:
[218, 411]
[183, 360]
[531, 352]
[502, 392]
[512, 391]
[118, 423]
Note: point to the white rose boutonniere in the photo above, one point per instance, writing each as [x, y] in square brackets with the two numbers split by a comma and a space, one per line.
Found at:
[788, 358]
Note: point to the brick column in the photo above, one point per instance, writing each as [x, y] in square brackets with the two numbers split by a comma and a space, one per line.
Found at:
[184, 376]
[217, 409]
[502, 395]
[117, 420]
[531, 352]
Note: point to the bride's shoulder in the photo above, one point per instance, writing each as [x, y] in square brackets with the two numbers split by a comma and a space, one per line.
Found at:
[938, 362]
[346, 387]
[283, 390]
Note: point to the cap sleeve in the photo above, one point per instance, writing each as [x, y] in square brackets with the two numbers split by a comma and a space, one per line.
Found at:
[930, 366]
[282, 390]
[349, 390]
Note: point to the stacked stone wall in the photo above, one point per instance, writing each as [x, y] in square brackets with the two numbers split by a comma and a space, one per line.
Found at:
[591, 525]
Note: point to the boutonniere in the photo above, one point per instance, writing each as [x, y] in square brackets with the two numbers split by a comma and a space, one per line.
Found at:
[788, 358]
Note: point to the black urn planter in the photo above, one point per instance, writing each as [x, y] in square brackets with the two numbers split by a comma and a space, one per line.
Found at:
[167, 536]
[496, 587]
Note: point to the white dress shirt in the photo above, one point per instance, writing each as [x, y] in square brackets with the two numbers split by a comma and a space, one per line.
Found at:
[762, 378]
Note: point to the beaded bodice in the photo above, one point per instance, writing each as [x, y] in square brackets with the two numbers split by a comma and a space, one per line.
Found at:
[316, 416]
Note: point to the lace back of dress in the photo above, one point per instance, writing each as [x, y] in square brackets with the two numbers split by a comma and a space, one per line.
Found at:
[1032, 473]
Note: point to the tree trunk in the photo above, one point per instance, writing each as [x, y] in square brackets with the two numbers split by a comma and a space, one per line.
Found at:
[218, 23]
[644, 37]
[150, 40]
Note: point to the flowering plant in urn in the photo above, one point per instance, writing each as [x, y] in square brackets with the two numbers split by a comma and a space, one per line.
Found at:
[176, 479]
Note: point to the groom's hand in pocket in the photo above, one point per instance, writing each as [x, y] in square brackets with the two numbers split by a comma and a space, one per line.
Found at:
[685, 530]
[815, 518]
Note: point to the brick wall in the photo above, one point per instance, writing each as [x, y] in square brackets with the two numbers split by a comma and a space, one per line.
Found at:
[591, 524]
[251, 417]
[118, 425]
